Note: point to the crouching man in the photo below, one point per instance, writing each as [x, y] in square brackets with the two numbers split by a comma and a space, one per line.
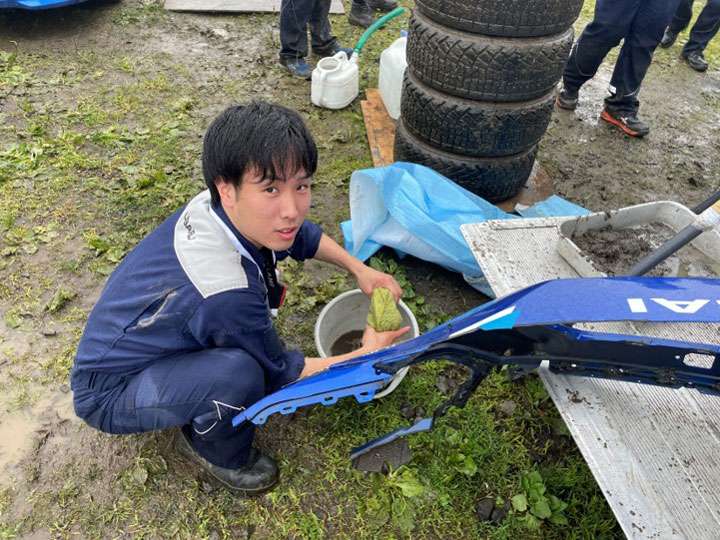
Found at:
[182, 334]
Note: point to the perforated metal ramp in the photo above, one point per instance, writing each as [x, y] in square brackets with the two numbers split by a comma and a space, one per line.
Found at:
[654, 451]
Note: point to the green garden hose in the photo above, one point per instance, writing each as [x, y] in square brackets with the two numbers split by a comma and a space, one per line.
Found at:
[377, 24]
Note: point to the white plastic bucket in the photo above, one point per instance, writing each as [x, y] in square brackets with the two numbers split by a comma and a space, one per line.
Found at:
[390, 78]
[334, 82]
[348, 312]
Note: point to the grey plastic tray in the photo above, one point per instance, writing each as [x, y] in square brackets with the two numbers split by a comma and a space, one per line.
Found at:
[672, 214]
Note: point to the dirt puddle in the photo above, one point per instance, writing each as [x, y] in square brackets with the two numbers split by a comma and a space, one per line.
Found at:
[21, 430]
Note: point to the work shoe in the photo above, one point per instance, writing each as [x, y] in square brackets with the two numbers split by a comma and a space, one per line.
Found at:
[567, 99]
[361, 14]
[629, 123]
[297, 67]
[382, 5]
[332, 51]
[668, 38]
[695, 60]
[259, 474]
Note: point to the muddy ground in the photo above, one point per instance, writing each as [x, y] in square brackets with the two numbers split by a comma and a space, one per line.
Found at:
[221, 59]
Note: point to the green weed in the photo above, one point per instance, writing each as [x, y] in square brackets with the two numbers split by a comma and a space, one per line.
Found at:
[535, 504]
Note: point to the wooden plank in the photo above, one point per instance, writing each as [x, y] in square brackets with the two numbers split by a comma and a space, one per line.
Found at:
[237, 6]
[380, 128]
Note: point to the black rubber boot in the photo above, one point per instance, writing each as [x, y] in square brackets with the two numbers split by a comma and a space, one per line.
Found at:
[361, 14]
[259, 474]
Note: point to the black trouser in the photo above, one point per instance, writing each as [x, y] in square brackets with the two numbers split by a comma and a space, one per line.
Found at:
[641, 24]
[295, 16]
[704, 29]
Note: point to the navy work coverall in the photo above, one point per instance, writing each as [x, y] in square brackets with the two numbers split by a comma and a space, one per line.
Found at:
[182, 335]
[641, 24]
[295, 16]
[705, 28]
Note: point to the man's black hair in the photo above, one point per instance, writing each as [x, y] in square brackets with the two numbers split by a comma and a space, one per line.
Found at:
[270, 139]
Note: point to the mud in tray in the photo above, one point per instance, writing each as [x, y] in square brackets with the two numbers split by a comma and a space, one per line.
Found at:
[609, 243]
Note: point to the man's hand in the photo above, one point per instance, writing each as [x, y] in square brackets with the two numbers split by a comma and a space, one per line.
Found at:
[369, 279]
[372, 340]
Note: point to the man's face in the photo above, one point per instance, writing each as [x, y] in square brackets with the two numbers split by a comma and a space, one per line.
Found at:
[267, 212]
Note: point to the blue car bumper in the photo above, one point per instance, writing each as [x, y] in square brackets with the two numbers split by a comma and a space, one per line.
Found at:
[37, 4]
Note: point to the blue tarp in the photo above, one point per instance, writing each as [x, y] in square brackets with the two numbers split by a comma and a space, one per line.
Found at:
[417, 211]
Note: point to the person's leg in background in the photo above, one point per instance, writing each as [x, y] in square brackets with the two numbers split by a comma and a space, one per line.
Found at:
[361, 14]
[323, 42]
[610, 24]
[361, 11]
[294, 18]
[635, 57]
[705, 29]
[202, 392]
[679, 22]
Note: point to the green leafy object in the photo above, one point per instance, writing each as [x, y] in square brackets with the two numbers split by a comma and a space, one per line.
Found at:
[409, 485]
[377, 264]
[536, 493]
[469, 468]
[559, 519]
[115, 255]
[13, 321]
[535, 479]
[156, 465]
[58, 300]
[556, 505]
[100, 245]
[144, 182]
[404, 515]
[541, 509]
[531, 522]
[464, 464]
[525, 483]
[140, 475]
[519, 502]
[10, 250]
[384, 314]
[378, 510]
[105, 269]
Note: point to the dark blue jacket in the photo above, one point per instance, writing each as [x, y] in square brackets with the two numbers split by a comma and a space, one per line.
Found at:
[184, 288]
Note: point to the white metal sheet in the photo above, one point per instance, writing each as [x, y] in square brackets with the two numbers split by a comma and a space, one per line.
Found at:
[652, 450]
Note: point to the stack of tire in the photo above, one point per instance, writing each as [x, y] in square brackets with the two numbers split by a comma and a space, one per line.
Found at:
[480, 86]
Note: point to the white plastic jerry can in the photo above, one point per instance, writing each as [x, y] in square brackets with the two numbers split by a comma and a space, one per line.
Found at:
[392, 70]
[335, 81]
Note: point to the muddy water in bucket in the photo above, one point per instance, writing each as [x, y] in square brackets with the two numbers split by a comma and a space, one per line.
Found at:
[346, 343]
[341, 323]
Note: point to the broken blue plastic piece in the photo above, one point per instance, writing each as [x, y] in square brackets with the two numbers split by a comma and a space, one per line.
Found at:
[37, 4]
[525, 328]
[546, 305]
